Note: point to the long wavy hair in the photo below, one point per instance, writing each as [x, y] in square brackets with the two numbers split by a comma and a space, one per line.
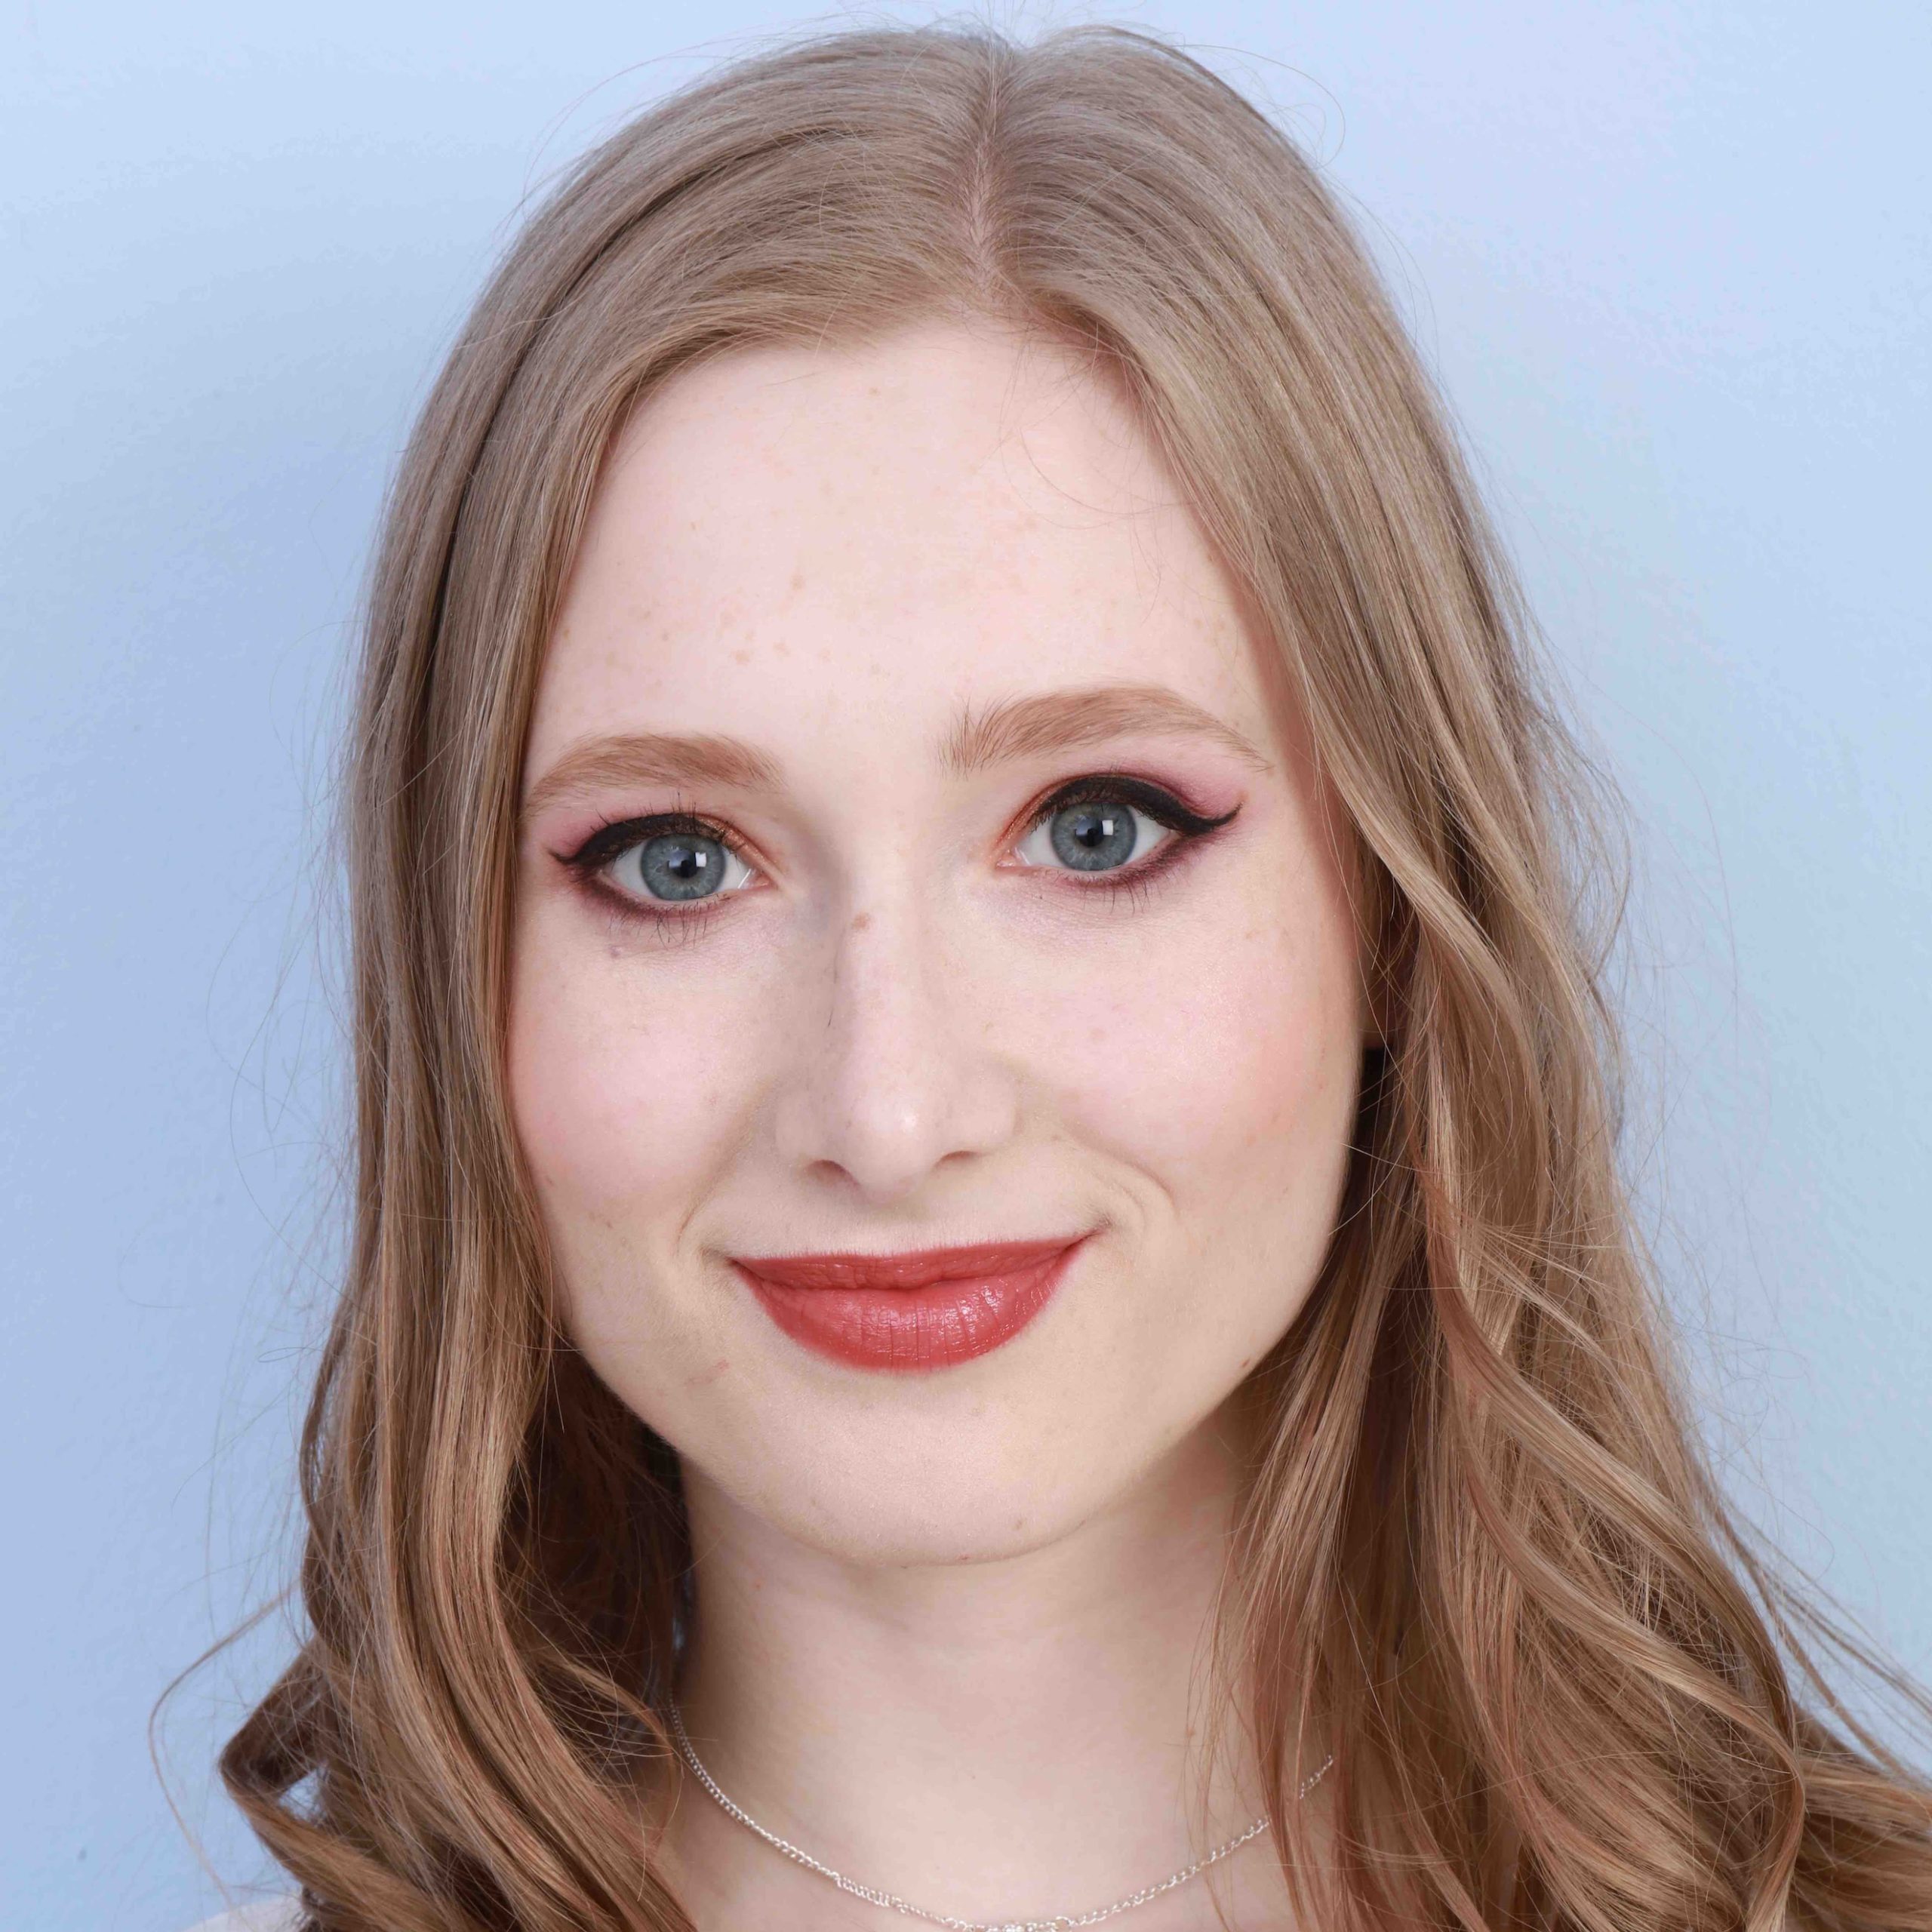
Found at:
[1482, 1545]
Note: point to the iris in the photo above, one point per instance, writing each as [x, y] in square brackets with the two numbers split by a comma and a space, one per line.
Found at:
[1093, 836]
[680, 866]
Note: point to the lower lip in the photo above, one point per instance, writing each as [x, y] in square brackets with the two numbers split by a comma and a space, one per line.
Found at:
[909, 1313]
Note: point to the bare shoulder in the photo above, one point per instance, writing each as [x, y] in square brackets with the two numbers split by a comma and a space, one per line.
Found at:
[263, 1915]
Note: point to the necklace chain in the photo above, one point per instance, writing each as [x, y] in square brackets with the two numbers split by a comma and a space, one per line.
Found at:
[892, 1902]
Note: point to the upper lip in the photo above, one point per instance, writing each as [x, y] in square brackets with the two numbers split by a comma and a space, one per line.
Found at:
[918, 1269]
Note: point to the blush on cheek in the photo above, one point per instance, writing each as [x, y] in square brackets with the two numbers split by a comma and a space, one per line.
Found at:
[1216, 1042]
[621, 1101]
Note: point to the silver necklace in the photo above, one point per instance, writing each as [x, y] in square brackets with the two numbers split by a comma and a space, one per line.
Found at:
[893, 1903]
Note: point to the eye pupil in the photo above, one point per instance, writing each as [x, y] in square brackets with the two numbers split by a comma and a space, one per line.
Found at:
[678, 865]
[1095, 837]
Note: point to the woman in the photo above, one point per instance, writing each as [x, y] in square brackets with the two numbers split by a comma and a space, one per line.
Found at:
[989, 1281]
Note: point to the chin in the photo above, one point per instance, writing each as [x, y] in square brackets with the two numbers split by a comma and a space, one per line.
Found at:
[978, 1510]
[984, 1474]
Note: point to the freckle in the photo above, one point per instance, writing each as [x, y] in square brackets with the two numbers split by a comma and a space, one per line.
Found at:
[860, 921]
[741, 657]
[799, 580]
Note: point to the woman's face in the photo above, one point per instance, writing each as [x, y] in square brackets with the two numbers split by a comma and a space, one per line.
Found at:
[916, 858]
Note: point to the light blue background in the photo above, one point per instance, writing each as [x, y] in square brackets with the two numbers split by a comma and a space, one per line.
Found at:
[1671, 261]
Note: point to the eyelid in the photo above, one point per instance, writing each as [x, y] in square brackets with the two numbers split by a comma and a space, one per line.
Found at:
[616, 836]
[1158, 801]
[592, 861]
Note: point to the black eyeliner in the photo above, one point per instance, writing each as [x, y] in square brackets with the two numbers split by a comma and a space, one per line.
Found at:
[1156, 801]
[607, 841]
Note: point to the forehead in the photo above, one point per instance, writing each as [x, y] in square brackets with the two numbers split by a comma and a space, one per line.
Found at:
[803, 538]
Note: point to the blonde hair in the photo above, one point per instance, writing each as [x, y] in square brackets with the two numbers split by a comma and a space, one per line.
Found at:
[1482, 1546]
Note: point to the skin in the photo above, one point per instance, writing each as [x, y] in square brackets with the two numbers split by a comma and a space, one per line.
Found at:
[949, 1623]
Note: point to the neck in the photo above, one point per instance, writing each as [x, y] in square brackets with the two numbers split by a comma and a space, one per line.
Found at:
[995, 1740]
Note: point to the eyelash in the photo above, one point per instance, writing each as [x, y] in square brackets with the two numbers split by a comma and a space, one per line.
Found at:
[1130, 883]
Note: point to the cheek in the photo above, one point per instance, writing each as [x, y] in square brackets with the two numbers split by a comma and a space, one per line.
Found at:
[626, 1099]
[1219, 1056]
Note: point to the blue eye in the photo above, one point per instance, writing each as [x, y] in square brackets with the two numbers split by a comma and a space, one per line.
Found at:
[679, 866]
[667, 861]
[1092, 836]
[1109, 821]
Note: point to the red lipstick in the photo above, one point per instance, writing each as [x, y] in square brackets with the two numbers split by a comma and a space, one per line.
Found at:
[929, 1309]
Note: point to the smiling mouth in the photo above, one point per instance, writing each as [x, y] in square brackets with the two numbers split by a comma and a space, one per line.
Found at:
[931, 1308]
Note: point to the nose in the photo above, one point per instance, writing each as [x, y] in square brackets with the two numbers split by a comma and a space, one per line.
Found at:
[894, 1075]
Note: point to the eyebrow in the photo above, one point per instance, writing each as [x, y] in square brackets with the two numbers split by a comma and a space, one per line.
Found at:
[649, 757]
[1055, 721]
[1008, 729]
